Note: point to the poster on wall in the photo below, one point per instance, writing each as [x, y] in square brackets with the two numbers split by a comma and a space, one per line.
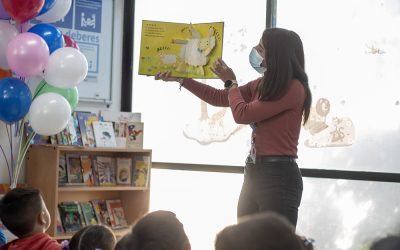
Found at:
[89, 24]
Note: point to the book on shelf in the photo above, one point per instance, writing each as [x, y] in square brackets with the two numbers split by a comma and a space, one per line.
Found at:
[142, 167]
[101, 212]
[104, 134]
[71, 216]
[76, 125]
[124, 171]
[135, 135]
[105, 167]
[117, 214]
[87, 171]
[74, 169]
[73, 134]
[85, 120]
[62, 170]
[59, 226]
[88, 213]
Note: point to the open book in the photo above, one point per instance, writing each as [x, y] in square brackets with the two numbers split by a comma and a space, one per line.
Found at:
[187, 50]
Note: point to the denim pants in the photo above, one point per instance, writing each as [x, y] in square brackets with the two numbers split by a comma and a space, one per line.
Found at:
[271, 186]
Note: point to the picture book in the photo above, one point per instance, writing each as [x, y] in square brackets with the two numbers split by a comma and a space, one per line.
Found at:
[74, 169]
[185, 49]
[141, 171]
[87, 172]
[85, 127]
[71, 216]
[76, 125]
[104, 134]
[101, 211]
[117, 214]
[88, 213]
[62, 170]
[73, 136]
[106, 170]
[124, 171]
[59, 226]
[135, 135]
[89, 129]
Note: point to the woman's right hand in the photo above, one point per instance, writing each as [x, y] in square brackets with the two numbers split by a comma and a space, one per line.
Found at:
[166, 77]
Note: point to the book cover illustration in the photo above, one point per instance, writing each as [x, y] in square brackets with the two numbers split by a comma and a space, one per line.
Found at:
[59, 226]
[85, 127]
[141, 171]
[62, 170]
[117, 214]
[88, 213]
[106, 170]
[70, 214]
[74, 169]
[101, 211]
[89, 129]
[77, 129]
[104, 134]
[124, 171]
[135, 135]
[87, 172]
[187, 50]
[73, 137]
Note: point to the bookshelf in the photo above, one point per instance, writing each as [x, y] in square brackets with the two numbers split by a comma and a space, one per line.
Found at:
[42, 173]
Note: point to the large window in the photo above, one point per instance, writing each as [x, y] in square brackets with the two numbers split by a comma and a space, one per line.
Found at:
[171, 116]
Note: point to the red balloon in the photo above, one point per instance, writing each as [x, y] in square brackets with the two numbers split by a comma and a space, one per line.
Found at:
[69, 42]
[23, 10]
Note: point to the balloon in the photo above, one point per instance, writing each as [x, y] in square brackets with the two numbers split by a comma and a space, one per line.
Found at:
[71, 94]
[15, 99]
[67, 67]
[49, 114]
[48, 4]
[69, 42]
[50, 33]
[23, 10]
[5, 73]
[57, 12]
[3, 13]
[7, 33]
[27, 54]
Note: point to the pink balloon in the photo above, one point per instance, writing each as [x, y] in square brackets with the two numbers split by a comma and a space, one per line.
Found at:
[27, 54]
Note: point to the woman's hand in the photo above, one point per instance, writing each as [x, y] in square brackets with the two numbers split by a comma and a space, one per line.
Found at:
[222, 70]
[166, 77]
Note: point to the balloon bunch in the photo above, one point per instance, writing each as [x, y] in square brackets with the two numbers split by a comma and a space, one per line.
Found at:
[38, 51]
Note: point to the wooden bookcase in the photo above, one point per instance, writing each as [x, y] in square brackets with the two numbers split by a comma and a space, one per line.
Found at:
[42, 173]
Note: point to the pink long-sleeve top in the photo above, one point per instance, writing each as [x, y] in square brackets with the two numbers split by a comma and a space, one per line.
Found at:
[277, 122]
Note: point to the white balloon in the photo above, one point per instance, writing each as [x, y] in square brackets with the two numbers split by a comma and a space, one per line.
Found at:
[66, 68]
[57, 12]
[7, 33]
[49, 114]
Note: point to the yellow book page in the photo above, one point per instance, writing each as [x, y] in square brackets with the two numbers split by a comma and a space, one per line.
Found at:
[187, 50]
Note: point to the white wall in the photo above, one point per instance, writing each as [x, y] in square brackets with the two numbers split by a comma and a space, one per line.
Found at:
[116, 90]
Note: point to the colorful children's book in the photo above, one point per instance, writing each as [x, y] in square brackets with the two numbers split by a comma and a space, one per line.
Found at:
[71, 216]
[106, 170]
[104, 134]
[141, 171]
[73, 136]
[87, 171]
[101, 211]
[83, 117]
[59, 226]
[117, 214]
[135, 135]
[187, 50]
[88, 213]
[124, 171]
[74, 169]
[76, 125]
[62, 170]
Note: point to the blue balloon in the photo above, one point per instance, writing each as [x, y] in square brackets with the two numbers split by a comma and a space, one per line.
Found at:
[48, 4]
[50, 33]
[15, 99]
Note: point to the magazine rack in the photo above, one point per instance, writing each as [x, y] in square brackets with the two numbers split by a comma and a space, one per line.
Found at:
[42, 173]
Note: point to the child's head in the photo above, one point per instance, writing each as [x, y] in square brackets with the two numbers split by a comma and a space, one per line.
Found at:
[23, 212]
[93, 237]
[262, 231]
[387, 243]
[159, 230]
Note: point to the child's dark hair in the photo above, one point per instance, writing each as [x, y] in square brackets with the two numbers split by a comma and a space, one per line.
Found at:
[19, 209]
[387, 243]
[159, 230]
[93, 237]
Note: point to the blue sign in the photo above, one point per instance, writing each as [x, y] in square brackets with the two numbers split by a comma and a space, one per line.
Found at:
[88, 15]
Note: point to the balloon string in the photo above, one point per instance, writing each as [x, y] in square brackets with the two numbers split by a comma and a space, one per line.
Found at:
[11, 148]
[37, 92]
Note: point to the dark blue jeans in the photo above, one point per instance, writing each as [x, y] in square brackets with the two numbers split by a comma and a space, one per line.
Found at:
[271, 186]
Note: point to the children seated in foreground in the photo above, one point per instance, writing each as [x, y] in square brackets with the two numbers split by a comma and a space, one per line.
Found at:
[264, 231]
[93, 237]
[24, 213]
[159, 230]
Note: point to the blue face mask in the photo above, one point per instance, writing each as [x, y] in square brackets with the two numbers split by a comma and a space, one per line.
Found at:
[256, 60]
